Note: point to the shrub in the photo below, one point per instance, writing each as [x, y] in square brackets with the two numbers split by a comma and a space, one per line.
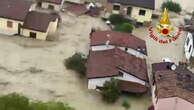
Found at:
[117, 19]
[172, 6]
[126, 105]
[18, 102]
[14, 102]
[76, 63]
[125, 27]
[110, 91]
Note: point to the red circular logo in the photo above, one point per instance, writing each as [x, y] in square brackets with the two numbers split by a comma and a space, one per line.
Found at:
[165, 31]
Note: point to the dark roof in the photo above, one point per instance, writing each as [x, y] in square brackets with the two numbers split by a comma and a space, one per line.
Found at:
[38, 21]
[14, 9]
[118, 39]
[150, 4]
[175, 83]
[54, 1]
[132, 87]
[161, 66]
[108, 63]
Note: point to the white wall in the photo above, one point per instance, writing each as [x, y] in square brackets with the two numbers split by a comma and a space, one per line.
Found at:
[92, 83]
[129, 50]
[45, 5]
[190, 44]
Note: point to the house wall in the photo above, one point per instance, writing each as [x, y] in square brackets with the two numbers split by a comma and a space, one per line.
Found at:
[134, 12]
[129, 50]
[52, 27]
[39, 35]
[93, 83]
[174, 103]
[188, 40]
[57, 7]
[6, 30]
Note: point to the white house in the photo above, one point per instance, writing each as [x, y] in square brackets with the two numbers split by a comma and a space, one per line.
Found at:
[188, 47]
[55, 5]
[106, 40]
[130, 70]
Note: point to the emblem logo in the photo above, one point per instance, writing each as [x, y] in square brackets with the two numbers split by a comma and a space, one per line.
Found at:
[166, 33]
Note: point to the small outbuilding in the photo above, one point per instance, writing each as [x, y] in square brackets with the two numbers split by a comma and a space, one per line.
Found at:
[39, 25]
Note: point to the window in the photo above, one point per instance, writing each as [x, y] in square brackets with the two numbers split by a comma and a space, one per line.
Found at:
[190, 48]
[116, 7]
[33, 35]
[9, 24]
[51, 7]
[142, 12]
[187, 41]
[129, 9]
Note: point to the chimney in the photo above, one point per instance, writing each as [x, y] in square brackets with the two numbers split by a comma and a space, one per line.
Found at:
[108, 41]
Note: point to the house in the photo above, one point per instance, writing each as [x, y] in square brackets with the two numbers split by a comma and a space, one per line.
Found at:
[39, 25]
[172, 87]
[55, 5]
[130, 70]
[12, 15]
[138, 10]
[106, 40]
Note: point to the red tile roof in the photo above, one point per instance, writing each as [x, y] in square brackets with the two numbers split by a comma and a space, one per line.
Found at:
[175, 83]
[14, 9]
[38, 21]
[77, 9]
[54, 1]
[118, 39]
[131, 87]
[108, 63]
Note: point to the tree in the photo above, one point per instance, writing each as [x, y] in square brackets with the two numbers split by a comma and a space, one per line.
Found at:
[125, 27]
[17, 102]
[110, 91]
[118, 19]
[126, 105]
[172, 6]
[14, 102]
[77, 63]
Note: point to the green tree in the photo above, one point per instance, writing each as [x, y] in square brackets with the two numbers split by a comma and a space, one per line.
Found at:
[126, 104]
[118, 19]
[77, 63]
[110, 91]
[125, 27]
[18, 102]
[14, 102]
[172, 6]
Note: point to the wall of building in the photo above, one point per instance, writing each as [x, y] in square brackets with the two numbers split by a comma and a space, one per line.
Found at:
[39, 35]
[129, 50]
[188, 40]
[6, 30]
[141, 18]
[52, 27]
[93, 83]
[134, 12]
[173, 103]
[45, 5]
